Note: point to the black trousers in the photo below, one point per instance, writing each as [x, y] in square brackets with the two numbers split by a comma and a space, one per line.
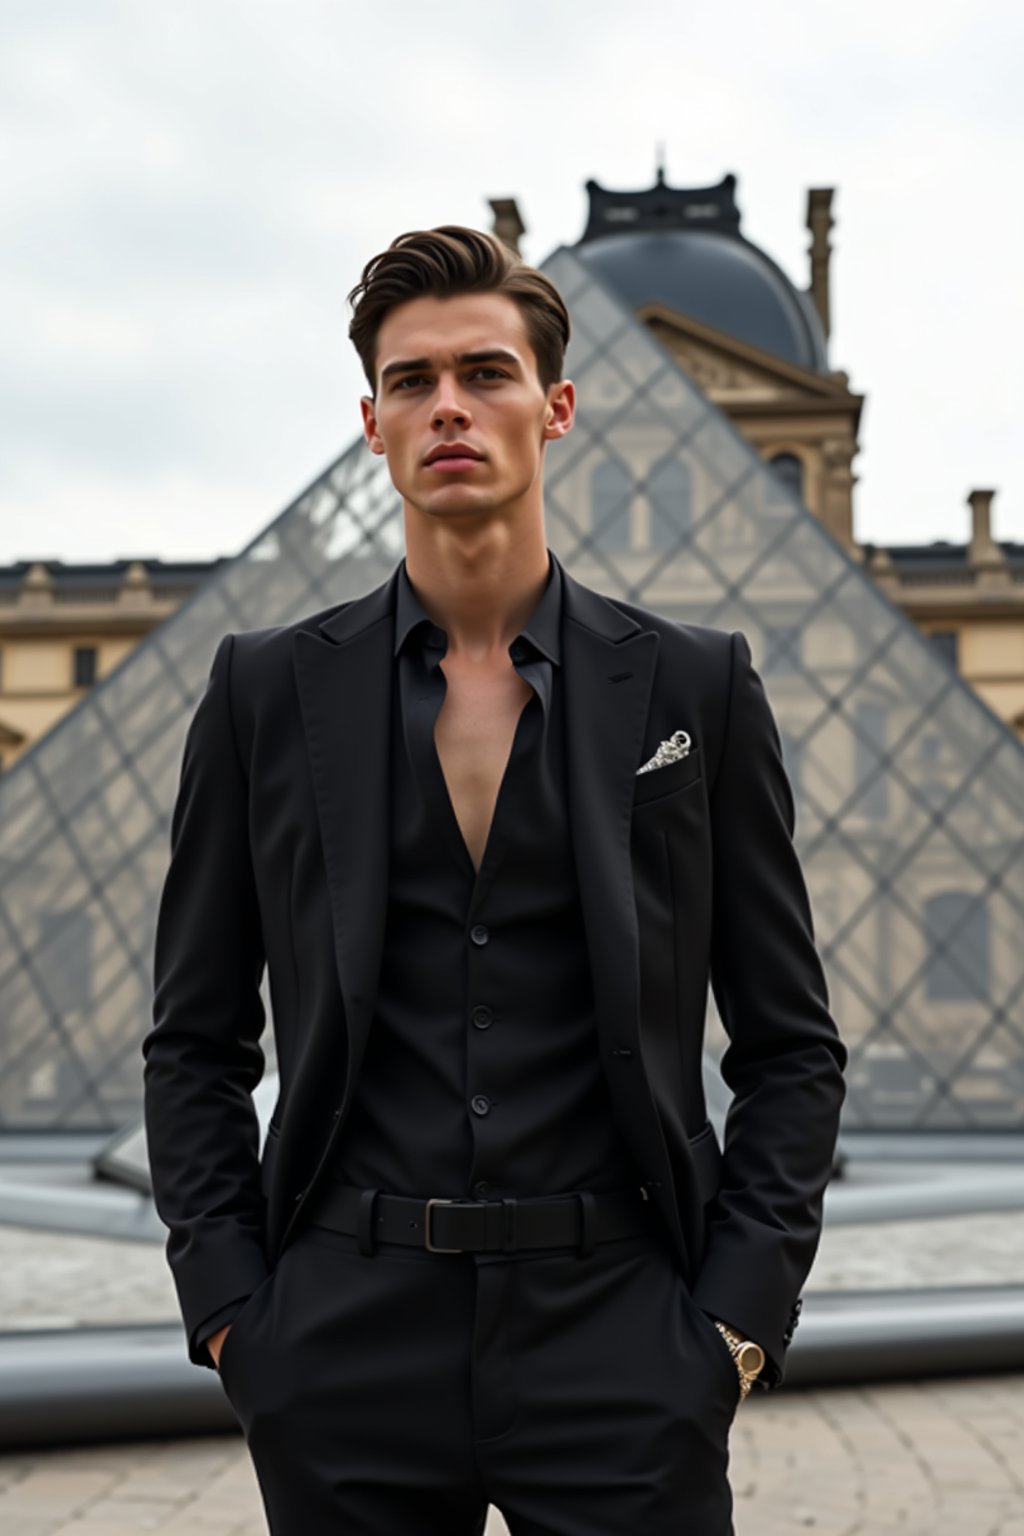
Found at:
[400, 1394]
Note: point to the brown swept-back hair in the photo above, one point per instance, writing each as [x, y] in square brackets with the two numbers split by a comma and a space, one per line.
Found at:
[451, 260]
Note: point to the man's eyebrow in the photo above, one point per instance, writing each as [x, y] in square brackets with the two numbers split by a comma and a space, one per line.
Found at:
[410, 366]
[419, 364]
[489, 355]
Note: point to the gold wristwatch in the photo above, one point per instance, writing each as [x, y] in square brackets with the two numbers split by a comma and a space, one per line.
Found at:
[749, 1357]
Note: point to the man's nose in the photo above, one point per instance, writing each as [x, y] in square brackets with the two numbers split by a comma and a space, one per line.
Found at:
[449, 406]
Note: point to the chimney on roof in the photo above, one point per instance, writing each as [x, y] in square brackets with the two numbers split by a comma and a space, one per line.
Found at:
[819, 222]
[986, 558]
[36, 586]
[508, 224]
[135, 587]
[983, 546]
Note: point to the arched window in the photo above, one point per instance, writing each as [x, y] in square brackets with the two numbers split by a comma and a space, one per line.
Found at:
[611, 492]
[789, 469]
[947, 643]
[670, 498]
[956, 927]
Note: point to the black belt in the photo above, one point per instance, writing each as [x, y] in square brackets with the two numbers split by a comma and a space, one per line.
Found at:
[579, 1219]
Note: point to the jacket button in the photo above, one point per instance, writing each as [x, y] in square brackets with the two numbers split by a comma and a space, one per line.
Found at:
[481, 1104]
[481, 1189]
[478, 933]
[482, 1016]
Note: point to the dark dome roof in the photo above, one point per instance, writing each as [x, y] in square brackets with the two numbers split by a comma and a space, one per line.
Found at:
[713, 274]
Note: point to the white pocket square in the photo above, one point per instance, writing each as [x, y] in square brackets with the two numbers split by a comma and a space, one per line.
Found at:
[669, 751]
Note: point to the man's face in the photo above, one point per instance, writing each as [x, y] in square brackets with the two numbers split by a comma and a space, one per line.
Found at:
[460, 412]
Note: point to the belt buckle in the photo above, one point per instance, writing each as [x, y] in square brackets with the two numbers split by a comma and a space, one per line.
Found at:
[426, 1226]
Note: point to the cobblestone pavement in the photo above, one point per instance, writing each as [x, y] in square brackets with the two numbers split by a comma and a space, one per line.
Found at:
[921, 1459]
[57, 1280]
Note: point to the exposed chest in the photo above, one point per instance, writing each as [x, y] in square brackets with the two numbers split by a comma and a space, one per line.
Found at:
[473, 735]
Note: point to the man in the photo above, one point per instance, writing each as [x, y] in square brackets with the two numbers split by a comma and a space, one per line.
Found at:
[491, 833]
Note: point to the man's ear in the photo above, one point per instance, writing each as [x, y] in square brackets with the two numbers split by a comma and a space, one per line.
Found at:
[561, 410]
[370, 431]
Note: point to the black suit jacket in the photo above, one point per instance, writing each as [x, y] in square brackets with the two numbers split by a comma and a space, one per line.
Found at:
[688, 873]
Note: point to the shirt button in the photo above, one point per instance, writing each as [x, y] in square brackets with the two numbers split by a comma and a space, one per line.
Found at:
[517, 652]
[481, 1104]
[482, 1189]
[478, 933]
[482, 1016]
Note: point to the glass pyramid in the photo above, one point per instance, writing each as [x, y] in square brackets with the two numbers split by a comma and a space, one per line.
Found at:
[909, 791]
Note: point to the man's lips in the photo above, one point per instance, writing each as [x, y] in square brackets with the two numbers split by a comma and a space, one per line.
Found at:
[453, 456]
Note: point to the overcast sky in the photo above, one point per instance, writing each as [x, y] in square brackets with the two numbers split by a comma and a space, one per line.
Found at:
[190, 190]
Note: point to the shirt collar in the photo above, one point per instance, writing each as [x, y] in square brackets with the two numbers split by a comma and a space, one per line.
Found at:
[542, 628]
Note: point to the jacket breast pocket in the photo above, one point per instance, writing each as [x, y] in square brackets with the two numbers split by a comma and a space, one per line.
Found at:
[657, 783]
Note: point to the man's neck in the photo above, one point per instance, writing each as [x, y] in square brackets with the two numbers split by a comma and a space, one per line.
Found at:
[480, 595]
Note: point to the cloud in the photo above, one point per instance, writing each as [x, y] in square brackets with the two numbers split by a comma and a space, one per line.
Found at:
[195, 189]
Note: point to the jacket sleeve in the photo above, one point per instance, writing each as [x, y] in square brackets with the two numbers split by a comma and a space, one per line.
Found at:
[784, 1061]
[202, 1055]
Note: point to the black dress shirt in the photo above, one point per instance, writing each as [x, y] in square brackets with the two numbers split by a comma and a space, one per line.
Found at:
[482, 1074]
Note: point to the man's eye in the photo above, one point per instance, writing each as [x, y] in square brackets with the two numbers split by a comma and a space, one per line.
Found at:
[409, 380]
[495, 373]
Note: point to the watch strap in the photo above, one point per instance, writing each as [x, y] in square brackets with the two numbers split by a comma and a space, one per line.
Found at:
[735, 1342]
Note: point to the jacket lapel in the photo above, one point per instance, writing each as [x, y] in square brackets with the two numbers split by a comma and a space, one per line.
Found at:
[609, 662]
[343, 674]
[608, 667]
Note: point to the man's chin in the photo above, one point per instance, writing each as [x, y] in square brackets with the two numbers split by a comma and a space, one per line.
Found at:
[450, 500]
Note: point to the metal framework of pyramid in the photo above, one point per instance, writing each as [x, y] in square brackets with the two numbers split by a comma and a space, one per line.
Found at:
[909, 791]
